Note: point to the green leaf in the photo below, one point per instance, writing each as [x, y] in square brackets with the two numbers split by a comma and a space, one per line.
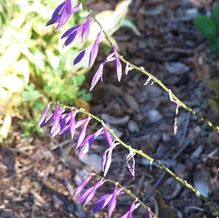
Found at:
[206, 27]
[127, 22]
[215, 15]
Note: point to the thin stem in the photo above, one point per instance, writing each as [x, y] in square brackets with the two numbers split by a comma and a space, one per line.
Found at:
[159, 82]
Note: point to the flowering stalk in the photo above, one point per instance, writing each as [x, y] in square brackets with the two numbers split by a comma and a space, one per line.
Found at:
[65, 122]
[82, 195]
[211, 205]
[159, 82]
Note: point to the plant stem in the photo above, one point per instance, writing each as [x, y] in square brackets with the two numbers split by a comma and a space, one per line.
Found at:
[159, 82]
[211, 205]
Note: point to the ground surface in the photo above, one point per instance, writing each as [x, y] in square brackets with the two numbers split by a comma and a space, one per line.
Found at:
[32, 172]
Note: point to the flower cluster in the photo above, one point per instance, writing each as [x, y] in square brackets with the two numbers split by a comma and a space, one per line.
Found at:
[65, 122]
[61, 15]
[84, 195]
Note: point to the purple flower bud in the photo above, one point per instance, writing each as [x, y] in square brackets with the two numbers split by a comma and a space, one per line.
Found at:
[108, 137]
[131, 167]
[108, 199]
[56, 120]
[88, 141]
[88, 195]
[79, 57]
[86, 28]
[80, 188]
[70, 31]
[118, 65]
[83, 132]
[72, 123]
[61, 14]
[107, 158]
[44, 118]
[94, 50]
[99, 74]
[129, 213]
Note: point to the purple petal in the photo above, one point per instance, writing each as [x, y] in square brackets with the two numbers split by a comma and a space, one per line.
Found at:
[88, 141]
[44, 115]
[88, 195]
[71, 38]
[56, 121]
[131, 167]
[86, 28]
[108, 137]
[101, 202]
[98, 75]
[79, 57]
[65, 14]
[118, 65]
[94, 50]
[133, 207]
[68, 6]
[56, 14]
[72, 123]
[107, 159]
[80, 188]
[112, 203]
[70, 31]
[83, 132]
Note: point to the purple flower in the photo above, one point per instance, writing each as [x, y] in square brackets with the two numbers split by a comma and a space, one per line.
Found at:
[83, 132]
[108, 199]
[72, 123]
[56, 127]
[44, 118]
[131, 167]
[99, 74]
[107, 158]
[133, 207]
[86, 28]
[108, 137]
[88, 195]
[80, 188]
[62, 13]
[118, 65]
[79, 57]
[94, 49]
[88, 141]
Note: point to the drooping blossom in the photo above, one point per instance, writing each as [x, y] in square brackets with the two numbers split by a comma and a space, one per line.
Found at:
[82, 134]
[99, 74]
[62, 13]
[86, 28]
[107, 158]
[118, 64]
[56, 127]
[88, 195]
[80, 188]
[44, 117]
[88, 141]
[129, 213]
[108, 199]
[130, 162]
[95, 49]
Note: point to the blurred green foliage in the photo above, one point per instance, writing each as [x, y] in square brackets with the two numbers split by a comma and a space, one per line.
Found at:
[35, 67]
[209, 28]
